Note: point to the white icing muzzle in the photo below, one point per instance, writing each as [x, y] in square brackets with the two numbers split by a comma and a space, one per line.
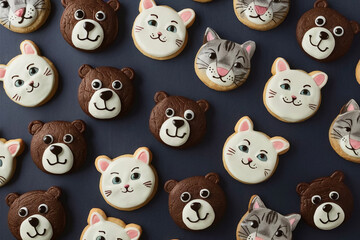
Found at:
[23, 17]
[104, 104]
[36, 227]
[175, 131]
[318, 42]
[222, 78]
[58, 158]
[87, 34]
[329, 216]
[198, 214]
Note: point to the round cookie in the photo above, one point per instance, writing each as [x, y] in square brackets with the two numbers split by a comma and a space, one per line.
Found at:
[326, 202]
[250, 156]
[29, 79]
[223, 65]
[261, 15]
[36, 215]
[260, 222]
[101, 227]
[293, 95]
[89, 25]
[196, 203]
[357, 72]
[105, 92]
[159, 32]
[9, 150]
[58, 147]
[24, 16]
[177, 121]
[127, 182]
[324, 34]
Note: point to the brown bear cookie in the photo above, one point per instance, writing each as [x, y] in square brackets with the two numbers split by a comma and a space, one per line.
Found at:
[36, 215]
[324, 34]
[325, 202]
[196, 203]
[58, 147]
[105, 92]
[89, 25]
[178, 121]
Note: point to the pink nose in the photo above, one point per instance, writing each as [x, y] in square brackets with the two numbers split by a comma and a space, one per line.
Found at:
[355, 144]
[222, 71]
[250, 160]
[260, 10]
[257, 238]
[159, 33]
[293, 97]
[127, 186]
[20, 12]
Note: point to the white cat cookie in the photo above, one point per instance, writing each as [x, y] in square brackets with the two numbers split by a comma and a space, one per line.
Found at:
[127, 182]
[293, 95]
[250, 156]
[159, 32]
[29, 79]
[101, 227]
[9, 150]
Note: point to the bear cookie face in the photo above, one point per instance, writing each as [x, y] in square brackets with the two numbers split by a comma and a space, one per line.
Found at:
[89, 25]
[326, 202]
[178, 121]
[36, 215]
[324, 34]
[58, 147]
[196, 203]
[9, 150]
[105, 92]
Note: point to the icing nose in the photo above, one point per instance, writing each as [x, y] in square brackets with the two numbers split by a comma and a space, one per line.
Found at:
[159, 33]
[222, 71]
[294, 97]
[355, 144]
[327, 208]
[31, 84]
[56, 149]
[250, 160]
[34, 221]
[324, 35]
[195, 206]
[88, 26]
[178, 123]
[260, 10]
[20, 12]
[127, 186]
[106, 95]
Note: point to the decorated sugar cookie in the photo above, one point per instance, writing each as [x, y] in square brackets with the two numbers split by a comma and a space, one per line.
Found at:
[293, 95]
[250, 156]
[261, 14]
[29, 79]
[357, 72]
[9, 150]
[127, 182]
[24, 16]
[102, 227]
[159, 32]
[324, 34]
[263, 223]
[221, 64]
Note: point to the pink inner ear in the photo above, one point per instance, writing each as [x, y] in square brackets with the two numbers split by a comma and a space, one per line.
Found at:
[282, 66]
[103, 165]
[29, 49]
[143, 156]
[292, 220]
[185, 16]
[319, 79]
[244, 126]
[278, 145]
[95, 219]
[210, 36]
[132, 233]
[2, 72]
[248, 49]
[350, 108]
[148, 4]
[256, 205]
[13, 148]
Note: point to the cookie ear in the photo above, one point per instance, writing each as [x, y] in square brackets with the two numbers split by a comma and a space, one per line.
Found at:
[114, 4]
[244, 124]
[159, 96]
[95, 216]
[143, 154]
[2, 72]
[321, 4]
[280, 65]
[129, 73]
[350, 106]
[169, 185]
[79, 125]
[256, 203]
[250, 47]
[35, 126]
[213, 177]
[210, 35]
[338, 176]
[65, 2]
[133, 231]
[14, 147]
[280, 144]
[10, 198]
[28, 47]
[146, 4]
[355, 27]
[84, 70]
[301, 188]
[102, 163]
[187, 16]
[320, 78]
[204, 105]
[293, 220]
[55, 192]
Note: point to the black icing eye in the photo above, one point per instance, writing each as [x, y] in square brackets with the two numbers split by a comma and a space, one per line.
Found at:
[68, 138]
[348, 129]
[338, 31]
[96, 84]
[185, 197]
[79, 14]
[204, 193]
[305, 92]
[320, 21]
[254, 224]
[334, 195]
[100, 238]
[316, 199]
[100, 16]
[43, 208]
[189, 115]
[116, 180]
[238, 65]
[277, 1]
[19, 83]
[212, 55]
[23, 212]
[4, 4]
[135, 176]
[117, 85]
[171, 28]
[48, 139]
[33, 71]
[285, 86]
[279, 233]
[169, 112]
[152, 23]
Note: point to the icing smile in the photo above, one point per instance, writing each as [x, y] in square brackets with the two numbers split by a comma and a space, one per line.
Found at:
[36, 233]
[32, 87]
[259, 17]
[248, 164]
[199, 218]
[175, 135]
[104, 108]
[158, 37]
[318, 45]
[293, 102]
[329, 220]
[87, 38]
[23, 18]
[57, 162]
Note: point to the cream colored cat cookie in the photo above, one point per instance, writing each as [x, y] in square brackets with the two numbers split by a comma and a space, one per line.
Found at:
[9, 150]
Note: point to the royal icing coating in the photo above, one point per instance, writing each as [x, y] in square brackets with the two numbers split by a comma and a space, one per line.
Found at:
[8, 151]
[206, 214]
[293, 95]
[28, 232]
[85, 40]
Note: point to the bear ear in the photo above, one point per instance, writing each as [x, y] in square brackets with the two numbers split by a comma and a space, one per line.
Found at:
[244, 124]
[213, 177]
[143, 154]
[301, 188]
[96, 215]
[250, 47]
[321, 4]
[133, 231]
[280, 65]
[14, 147]
[28, 47]
[355, 27]
[350, 106]
[210, 35]
[159, 96]
[338, 176]
[79, 125]
[84, 70]
[293, 220]
[256, 203]
[10, 198]
[55, 192]
[65, 2]
[2, 72]
[129, 73]
[320, 78]
[102, 163]
[146, 4]
[35, 126]
[169, 185]
[187, 16]
[114, 4]
[203, 104]
[280, 144]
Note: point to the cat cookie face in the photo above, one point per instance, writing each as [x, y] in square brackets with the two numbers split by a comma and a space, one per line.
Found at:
[326, 202]
[24, 16]
[29, 79]
[8, 151]
[293, 95]
[196, 203]
[325, 34]
[221, 64]
[261, 14]
[58, 147]
[127, 182]
[89, 25]
[159, 32]
[105, 92]
[263, 223]
[102, 227]
[36, 215]
[250, 156]
[178, 121]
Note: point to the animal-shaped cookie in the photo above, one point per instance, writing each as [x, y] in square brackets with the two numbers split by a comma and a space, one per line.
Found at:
[357, 72]
[221, 64]
[101, 227]
[105, 92]
[36, 215]
[159, 32]
[326, 202]
[178, 121]
[24, 16]
[127, 182]
[196, 203]
[89, 25]
[293, 95]
[9, 150]
[262, 223]
[58, 147]
[250, 156]
[261, 14]
[324, 34]
[29, 79]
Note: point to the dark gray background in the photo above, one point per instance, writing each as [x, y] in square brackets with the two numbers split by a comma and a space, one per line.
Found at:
[310, 155]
